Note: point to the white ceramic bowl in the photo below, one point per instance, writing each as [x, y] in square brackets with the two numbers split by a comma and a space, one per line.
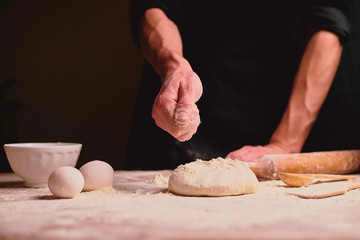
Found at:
[34, 162]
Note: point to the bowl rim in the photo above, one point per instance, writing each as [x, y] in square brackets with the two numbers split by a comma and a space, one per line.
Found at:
[42, 145]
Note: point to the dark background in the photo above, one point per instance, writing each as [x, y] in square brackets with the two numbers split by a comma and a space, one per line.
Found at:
[69, 71]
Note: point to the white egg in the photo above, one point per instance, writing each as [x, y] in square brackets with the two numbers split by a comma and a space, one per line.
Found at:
[97, 174]
[66, 182]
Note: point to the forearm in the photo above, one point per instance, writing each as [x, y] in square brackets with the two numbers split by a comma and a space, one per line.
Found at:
[311, 85]
[160, 41]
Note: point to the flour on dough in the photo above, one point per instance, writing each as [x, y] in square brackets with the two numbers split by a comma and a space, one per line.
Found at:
[217, 177]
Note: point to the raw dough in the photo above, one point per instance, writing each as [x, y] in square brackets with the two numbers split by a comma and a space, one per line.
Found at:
[217, 177]
[66, 182]
[97, 174]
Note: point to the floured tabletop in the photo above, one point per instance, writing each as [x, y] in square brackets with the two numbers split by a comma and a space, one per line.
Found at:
[138, 206]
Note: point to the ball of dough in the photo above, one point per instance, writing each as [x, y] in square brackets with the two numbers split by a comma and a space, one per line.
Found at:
[66, 182]
[97, 174]
[217, 177]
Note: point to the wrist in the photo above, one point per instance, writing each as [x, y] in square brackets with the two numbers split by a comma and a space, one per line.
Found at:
[168, 61]
[291, 134]
[287, 145]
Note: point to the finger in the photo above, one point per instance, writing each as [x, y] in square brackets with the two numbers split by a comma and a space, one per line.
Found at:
[163, 110]
[185, 137]
[252, 157]
[230, 155]
[243, 154]
[235, 155]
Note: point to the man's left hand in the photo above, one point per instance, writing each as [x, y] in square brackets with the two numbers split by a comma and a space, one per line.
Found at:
[254, 153]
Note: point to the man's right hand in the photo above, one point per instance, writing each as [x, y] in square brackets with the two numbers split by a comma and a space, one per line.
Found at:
[174, 109]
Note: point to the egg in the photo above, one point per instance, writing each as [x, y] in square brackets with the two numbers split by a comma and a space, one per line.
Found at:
[66, 182]
[97, 174]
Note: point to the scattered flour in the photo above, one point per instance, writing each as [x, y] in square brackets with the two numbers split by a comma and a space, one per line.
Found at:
[132, 209]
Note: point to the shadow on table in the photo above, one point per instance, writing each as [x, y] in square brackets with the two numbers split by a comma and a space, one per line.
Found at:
[141, 190]
[47, 197]
[12, 184]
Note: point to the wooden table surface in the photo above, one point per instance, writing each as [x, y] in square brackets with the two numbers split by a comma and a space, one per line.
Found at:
[138, 206]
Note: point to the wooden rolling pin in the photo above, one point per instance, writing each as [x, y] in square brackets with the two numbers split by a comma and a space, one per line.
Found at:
[327, 162]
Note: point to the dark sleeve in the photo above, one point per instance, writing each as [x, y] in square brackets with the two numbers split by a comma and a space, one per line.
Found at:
[172, 9]
[332, 16]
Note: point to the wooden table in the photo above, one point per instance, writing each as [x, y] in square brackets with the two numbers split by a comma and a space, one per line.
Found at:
[138, 206]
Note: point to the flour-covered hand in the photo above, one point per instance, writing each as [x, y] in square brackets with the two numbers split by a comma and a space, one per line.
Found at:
[175, 109]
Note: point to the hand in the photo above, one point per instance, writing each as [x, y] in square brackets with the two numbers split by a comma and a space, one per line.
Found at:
[174, 109]
[254, 153]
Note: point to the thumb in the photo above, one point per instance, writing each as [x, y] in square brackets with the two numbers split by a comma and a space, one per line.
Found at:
[184, 112]
[188, 94]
